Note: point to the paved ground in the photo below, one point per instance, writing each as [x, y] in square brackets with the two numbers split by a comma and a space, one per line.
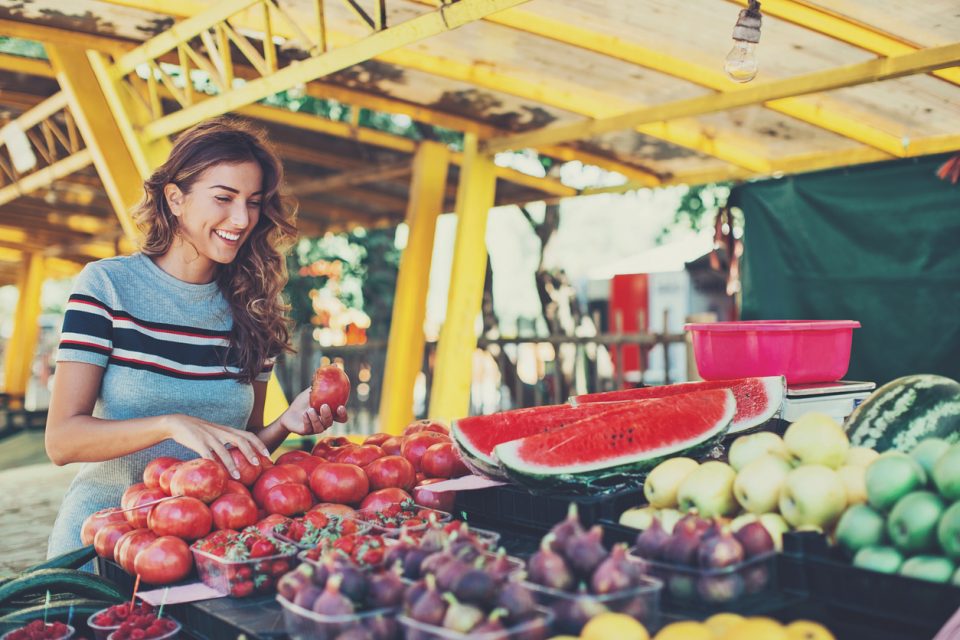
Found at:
[30, 496]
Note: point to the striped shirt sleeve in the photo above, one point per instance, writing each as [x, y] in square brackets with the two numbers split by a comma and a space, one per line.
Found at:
[266, 371]
[87, 333]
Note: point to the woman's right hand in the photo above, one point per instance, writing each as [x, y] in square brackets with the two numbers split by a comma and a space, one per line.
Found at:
[209, 440]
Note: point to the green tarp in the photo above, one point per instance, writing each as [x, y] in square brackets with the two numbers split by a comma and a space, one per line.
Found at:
[877, 243]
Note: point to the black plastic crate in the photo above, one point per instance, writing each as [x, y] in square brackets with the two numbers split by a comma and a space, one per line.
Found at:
[513, 509]
[917, 607]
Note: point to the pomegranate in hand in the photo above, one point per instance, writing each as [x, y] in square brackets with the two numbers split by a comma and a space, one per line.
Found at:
[331, 387]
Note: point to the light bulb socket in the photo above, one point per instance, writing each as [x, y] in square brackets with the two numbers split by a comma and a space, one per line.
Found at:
[747, 28]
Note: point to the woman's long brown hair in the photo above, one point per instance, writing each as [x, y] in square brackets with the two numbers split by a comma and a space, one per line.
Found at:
[252, 283]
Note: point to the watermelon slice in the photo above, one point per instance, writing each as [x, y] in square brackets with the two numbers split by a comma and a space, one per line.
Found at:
[758, 399]
[620, 446]
[476, 436]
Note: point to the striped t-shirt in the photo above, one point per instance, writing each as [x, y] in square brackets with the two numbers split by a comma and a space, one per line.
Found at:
[164, 347]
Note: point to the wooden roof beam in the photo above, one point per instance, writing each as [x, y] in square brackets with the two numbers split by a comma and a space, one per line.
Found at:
[353, 178]
[878, 70]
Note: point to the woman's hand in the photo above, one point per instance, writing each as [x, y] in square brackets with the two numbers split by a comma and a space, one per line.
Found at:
[210, 440]
[302, 419]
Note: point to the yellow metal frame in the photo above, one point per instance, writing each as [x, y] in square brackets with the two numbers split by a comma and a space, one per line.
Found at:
[921, 61]
[406, 345]
[450, 394]
[23, 342]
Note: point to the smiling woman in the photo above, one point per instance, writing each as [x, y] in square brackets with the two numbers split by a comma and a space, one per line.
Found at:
[167, 352]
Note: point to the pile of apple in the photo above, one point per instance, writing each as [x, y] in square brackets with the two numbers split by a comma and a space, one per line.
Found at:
[910, 523]
[804, 480]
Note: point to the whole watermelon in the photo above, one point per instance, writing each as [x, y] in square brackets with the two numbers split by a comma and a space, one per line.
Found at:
[904, 411]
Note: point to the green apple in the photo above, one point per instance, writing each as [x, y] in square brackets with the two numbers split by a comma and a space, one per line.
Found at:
[912, 523]
[931, 568]
[816, 438]
[745, 449]
[757, 487]
[879, 558]
[860, 456]
[892, 476]
[812, 495]
[776, 526]
[855, 482]
[928, 451]
[660, 487]
[859, 527]
[946, 473]
[709, 490]
[948, 531]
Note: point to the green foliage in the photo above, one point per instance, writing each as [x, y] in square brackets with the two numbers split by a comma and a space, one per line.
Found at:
[698, 207]
[369, 260]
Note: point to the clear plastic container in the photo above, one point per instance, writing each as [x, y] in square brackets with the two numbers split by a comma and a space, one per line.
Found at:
[517, 566]
[302, 624]
[100, 632]
[802, 350]
[537, 628]
[377, 526]
[69, 633]
[173, 633]
[241, 578]
[573, 609]
[716, 588]
[362, 527]
[488, 539]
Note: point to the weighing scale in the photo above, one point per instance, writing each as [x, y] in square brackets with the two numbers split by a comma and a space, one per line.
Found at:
[836, 399]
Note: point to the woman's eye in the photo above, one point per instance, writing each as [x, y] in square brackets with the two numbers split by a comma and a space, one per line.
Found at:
[254, 204]
[222, 199]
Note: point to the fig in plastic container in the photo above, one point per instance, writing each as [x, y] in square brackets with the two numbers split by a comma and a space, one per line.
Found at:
[719, 551]
[613, 574]
[449, 573]
[294, 581]
[330, 387]
[333, 603]
[683, 544]
[475, 586]
[572, 616]
[566, 529]
[460, 616]
[430, 607]
[650, 541]
[585, 552]
[756, 579]
[385, 589]
[515, 600]
[548, 568]
[723, 588]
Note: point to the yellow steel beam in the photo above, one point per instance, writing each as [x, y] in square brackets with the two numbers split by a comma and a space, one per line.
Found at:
[845, 29]
[406, 344]
[825, 116]
[45, 176]
[100, 126]
[921, 61]
[406, 33]
[450, 395]
[23, 342]
[53, 35]
[29, 66]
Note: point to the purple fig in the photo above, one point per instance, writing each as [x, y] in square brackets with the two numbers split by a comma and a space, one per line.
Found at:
[461, 617]
[720, 588]
[548, 568]
[515, 600]
[434, 562]
[412, 594]
[385, 589]
[475, 586]
[719, 551]
[355, 633]
[651, 541]
[394, 554]
[449, 573]
[682, 546]
[696, 524]
[430, 607]
[331, 602]
[755, 539]
[433, 539]
[307, 596]
[353, 582]
[611, 575]
[572, 616]
[294, 581]
[566, 529]
[585, 552]
[715, 525]
[756, 579]
[492, 624]
[411, 564]
[500, 566]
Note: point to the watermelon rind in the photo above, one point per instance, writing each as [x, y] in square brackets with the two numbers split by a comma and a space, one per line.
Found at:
[611, 474]
[774, 390]
[901, 413]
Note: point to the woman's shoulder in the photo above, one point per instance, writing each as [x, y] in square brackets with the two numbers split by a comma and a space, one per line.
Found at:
[106, 276]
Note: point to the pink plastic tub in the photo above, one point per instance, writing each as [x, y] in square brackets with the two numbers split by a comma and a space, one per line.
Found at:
[801, 350]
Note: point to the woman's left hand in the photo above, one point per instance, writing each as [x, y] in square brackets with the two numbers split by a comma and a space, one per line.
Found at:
[302, 419]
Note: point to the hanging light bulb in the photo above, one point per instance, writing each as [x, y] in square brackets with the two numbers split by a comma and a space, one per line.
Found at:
[741, 63]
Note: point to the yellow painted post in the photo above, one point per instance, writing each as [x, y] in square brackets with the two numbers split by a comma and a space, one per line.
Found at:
[450, 395]
[25, 329]
[406, 344]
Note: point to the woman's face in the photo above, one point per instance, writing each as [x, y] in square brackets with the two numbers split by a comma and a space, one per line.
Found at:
[221, 210]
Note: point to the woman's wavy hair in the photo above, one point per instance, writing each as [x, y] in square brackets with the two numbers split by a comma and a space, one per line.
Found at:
[252, 283]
